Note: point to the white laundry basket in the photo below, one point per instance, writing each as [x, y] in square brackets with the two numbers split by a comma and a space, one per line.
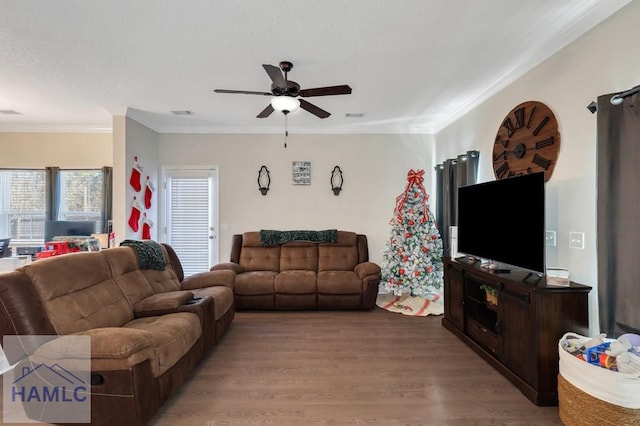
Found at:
[589, 394]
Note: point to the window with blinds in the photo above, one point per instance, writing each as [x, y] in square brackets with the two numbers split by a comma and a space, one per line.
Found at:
[188, 220]
[22, 204]
[77, 196]
[80, 195]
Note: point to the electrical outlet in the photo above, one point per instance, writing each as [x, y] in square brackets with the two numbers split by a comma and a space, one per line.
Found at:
[550, 238]
[576, 240]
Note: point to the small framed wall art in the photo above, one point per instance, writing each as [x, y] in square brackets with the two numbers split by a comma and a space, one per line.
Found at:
[301, 172]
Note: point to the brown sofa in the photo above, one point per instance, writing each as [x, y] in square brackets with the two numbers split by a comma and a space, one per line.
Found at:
[303, 274]
[148, 328]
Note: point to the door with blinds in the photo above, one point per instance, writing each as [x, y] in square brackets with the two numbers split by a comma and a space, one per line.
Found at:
[191, 217]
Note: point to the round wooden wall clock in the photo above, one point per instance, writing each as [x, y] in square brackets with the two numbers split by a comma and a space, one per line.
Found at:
[527, 141]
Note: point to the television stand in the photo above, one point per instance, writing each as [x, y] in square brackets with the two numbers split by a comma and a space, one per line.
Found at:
[516, 332]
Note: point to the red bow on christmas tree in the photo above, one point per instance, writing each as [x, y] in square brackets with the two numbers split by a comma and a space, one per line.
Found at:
[413, 178]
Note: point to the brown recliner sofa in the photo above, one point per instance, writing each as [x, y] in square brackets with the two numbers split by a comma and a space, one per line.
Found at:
[303, 274]
[148, 328]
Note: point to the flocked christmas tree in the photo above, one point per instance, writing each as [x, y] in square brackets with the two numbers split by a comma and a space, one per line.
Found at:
[412, 260]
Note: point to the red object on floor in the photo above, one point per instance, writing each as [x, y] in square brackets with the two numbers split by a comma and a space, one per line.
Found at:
[45, 253]
[60, 247]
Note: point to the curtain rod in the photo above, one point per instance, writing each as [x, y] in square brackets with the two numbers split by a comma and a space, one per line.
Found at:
[617, 99]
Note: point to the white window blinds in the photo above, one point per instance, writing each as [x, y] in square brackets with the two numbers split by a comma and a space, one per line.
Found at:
[22, 204]
[188, 222]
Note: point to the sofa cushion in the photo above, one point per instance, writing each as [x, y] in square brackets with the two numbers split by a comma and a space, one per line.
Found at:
[339, 282]
[254, 283]
[78, 292]
[339, 256]
[256, 257]
[165, 280]
[299, 256]
[260, 258]
[295, 282]
[132, 280]
[222, 298]
[172, 335]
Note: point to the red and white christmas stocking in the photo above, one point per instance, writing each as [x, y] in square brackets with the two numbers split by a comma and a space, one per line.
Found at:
[136, 173]
[147, 224]
[134, 218]
[148, 193]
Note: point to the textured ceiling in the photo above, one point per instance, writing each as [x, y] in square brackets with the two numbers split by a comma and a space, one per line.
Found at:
[414, 65]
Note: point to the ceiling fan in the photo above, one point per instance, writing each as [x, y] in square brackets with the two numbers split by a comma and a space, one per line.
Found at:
[285, 92]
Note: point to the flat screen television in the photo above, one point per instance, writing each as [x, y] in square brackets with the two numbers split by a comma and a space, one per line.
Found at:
[504, 221]
[59, 228]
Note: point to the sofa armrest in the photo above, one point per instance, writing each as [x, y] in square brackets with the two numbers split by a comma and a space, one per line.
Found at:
[228, 266]
[113, 349]
[209, 279]
[165, 302]
[366, 269]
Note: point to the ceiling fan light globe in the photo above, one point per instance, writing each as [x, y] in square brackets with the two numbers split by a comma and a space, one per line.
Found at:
[285, 103]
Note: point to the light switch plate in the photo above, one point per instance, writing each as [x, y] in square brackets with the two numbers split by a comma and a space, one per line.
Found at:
[576, 240]
[550, 238]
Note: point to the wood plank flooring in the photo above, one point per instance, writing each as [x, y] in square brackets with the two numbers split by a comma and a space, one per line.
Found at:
[344, 368]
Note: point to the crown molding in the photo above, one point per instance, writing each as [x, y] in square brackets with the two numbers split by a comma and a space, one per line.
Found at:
[54, 128]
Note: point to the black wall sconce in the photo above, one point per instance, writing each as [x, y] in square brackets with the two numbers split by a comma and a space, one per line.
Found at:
[264, 180]
[336, 180]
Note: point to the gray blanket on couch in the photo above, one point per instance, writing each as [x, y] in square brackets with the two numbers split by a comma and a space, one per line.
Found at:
[273, 238]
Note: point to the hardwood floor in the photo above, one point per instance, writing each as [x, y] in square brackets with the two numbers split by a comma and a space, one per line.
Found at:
[369, 368]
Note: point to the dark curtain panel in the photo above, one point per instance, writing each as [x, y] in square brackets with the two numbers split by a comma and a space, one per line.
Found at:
[52, 193]
[451, 175]
[619, 215]
[439, 194]
[107, 198]
[449, 217]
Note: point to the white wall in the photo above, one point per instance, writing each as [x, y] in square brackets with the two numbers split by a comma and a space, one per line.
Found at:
[374, 169]
[605, 60]
[65, 150]
[119, 202]
[141, 142]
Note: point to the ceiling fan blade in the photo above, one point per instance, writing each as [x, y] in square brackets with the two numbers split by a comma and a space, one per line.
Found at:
[276, 75]
[243, 92]
[317, 111]
[326, 91]
[266, 112]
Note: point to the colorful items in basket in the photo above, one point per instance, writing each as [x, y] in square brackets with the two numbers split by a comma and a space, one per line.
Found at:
[621, 355]
[598, 355]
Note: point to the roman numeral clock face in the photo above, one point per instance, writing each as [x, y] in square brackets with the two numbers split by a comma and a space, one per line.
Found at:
[527, 141]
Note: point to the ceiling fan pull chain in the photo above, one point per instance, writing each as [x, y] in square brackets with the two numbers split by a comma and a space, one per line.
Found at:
[286, 131]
